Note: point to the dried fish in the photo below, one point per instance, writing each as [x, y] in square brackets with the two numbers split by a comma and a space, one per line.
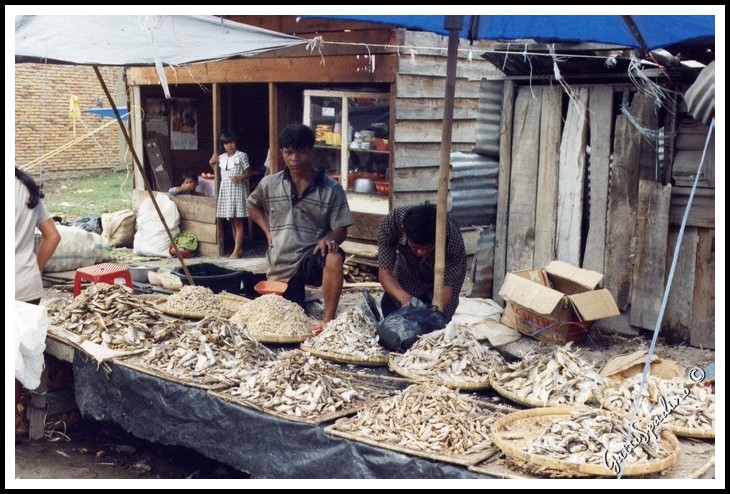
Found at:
[558, 378]
[274, 315]
[351, 333]
[428, 418]
[451, 355]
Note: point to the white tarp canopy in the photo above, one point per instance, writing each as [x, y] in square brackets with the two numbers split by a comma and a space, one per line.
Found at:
[139, 39]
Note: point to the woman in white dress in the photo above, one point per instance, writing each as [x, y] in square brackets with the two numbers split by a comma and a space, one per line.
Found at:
[235, 172]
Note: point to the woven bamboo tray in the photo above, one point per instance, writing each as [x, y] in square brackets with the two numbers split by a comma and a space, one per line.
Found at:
[464, 460]
[141, 366]
[460, 385]
[227, 298]
[161, 305]
[345, 359]
[512, 396]
[696, 459]
[697, 433]
[513, 432]
[277, 338]
[372, 394]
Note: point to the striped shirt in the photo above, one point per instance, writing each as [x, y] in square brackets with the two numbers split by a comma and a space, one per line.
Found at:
[298, 223]
[415, 274]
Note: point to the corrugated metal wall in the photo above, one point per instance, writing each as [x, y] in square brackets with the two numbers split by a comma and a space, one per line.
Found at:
[473, 189]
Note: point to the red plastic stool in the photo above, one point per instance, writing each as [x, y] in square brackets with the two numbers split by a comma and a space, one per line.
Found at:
[102, 273]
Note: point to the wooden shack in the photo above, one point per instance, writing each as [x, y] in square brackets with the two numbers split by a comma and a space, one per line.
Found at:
[594, 172]
[256, 97]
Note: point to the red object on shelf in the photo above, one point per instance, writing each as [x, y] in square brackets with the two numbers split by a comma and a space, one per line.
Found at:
[383, 188]
[102, 273]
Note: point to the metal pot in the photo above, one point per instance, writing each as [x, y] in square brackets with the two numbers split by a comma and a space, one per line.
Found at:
[364, 185]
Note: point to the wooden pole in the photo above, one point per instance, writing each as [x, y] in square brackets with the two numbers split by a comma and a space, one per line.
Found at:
[453, 23]
[141, 171]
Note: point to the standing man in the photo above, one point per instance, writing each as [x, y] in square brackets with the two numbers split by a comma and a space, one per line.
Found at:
[406, 257]
[304, 215]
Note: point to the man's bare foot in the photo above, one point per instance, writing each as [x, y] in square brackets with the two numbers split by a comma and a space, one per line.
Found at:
[318, 328]
[235, 255]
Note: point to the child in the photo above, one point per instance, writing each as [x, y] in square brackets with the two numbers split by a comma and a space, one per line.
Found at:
[190, 183]
[235, 172]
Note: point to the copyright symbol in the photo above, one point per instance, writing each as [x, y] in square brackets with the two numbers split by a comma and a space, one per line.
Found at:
[696, 375]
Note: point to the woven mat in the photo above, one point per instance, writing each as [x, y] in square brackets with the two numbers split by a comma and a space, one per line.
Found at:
[696, 458]
[513, 432]
[464, 460]
[460, 385]
[345, 359]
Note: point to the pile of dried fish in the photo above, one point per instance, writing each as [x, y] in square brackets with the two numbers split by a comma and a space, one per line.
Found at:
[211, 351]
[595, 437]
[353, 334]
[111, 316]
[197, 300]
[299, 384]
[558, 378]
[426, 417]
[274, 315]
[679, 402]
[450, 355]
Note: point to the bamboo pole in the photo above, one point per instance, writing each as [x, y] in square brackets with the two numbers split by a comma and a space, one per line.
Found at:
[141, 171]
[453, 24]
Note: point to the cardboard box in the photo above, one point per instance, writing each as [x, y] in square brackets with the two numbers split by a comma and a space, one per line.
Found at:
[556, 303]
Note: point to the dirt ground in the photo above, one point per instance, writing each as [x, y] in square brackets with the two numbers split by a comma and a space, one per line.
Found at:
[97, 450]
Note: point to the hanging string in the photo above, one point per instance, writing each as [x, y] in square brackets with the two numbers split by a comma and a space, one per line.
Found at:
[316, 43]
[642, 82]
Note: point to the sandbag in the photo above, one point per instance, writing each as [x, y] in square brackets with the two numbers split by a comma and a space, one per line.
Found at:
[118, 228]
[31, 325]
[77, 249]
[151, 238]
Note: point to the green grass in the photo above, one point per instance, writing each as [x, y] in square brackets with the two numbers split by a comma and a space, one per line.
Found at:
[75, 198]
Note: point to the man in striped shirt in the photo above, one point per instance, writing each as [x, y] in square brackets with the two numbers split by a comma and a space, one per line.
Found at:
[305, 215]
[406, 257]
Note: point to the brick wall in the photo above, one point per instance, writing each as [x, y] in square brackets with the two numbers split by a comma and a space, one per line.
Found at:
[42, 122]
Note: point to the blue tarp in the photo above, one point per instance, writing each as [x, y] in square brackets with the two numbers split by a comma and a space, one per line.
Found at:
[658, 31]
[108, 112]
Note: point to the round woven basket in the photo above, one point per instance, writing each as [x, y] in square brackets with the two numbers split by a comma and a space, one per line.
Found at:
[346, 359]
[460, 385]
[512, 433]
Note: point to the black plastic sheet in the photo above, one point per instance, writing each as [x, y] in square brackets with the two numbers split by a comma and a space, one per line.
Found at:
[263, 445]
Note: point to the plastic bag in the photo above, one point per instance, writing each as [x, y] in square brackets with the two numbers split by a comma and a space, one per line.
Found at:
[402, 327]
[31, 325]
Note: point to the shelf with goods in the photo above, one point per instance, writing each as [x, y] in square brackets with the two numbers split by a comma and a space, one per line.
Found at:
[352, 142]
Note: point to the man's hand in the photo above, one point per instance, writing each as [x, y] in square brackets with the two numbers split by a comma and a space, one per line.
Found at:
[326, 246]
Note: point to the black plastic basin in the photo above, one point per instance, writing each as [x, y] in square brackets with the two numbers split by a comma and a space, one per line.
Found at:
[209, 275]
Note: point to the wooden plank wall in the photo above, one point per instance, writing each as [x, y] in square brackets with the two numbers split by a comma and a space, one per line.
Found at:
[630, 229]
[571, 177]
[419, 107]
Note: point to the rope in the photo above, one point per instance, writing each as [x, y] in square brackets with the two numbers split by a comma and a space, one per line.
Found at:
[660, 317]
